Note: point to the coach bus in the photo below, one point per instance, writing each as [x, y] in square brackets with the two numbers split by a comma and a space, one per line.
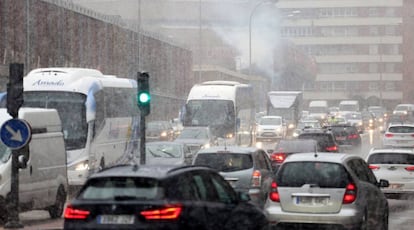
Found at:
[100, 117]
[227, 107]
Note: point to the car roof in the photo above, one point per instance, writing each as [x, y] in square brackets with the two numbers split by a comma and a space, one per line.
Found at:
[401, 124]
[229, 149]
[320, 156]
[149, 171]
[163, 143]
[271, 117]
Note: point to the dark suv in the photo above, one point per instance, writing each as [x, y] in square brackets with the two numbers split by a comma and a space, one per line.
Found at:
[325, 138]
[347, 136]
[160, 197]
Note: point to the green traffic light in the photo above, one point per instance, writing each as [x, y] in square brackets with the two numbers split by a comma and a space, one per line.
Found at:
[144, 98]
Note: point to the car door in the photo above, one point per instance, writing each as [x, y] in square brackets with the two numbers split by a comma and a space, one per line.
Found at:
[262, 163]
[218, 196]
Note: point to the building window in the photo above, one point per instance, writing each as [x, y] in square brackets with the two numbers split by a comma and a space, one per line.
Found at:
[390, 30]
[373, 49]
[373, 30]
[373, 67]
[341, 86]
[389, 67]
[390, 12]
[373, 86]
[390, 86]
[326, 86]
[373, 12]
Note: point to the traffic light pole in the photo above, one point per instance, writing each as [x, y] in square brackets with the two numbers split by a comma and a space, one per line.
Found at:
[15, 80]
[142, 140]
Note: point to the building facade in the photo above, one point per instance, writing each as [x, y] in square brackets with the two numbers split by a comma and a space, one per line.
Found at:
[357, 45]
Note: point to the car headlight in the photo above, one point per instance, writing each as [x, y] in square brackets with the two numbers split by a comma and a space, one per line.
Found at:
[360, 123]
[279, 130]
[259, 129]
[381, 120]
[370, 121]
[295, 134]
[259, 145]
[229, 135]
[291, 126]
[82, 166]
[206, 146]
[164, 134]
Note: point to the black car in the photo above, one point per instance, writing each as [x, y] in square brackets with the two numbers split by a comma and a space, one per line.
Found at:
[325, 138]
[347, 136]
[286, 147]
[161, 197]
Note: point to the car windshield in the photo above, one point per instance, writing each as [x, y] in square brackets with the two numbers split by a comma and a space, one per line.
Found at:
[322, 174]
[121, 188]
[193, 134]
[163, 151]
[309, 124]
[225, 162]
[270, 121]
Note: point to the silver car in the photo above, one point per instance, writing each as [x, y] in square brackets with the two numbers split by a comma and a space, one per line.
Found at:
[247, 169]
[397, 166]
[326, 189]
[399, 135]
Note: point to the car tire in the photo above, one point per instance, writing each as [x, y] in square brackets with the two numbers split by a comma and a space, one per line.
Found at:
[56, 210]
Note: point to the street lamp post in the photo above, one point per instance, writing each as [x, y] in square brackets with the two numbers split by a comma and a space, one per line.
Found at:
[250, 31]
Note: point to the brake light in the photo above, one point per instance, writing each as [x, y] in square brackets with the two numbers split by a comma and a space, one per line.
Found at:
[389, 135]
[256, 178]
[409, 168]
[73, 213]
[374, 167]
[332, 148]
[350, 194]
[278, 157]
[165, 213]
[274, 194]
[353, 136]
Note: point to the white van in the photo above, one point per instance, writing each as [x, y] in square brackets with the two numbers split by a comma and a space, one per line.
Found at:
[348, 106]
[404, 109]
[318, 109]
[43, 183]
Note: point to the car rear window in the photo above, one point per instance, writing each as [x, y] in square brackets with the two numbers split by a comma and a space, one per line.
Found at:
[297, 146]
[321, 138]
[225, 162]
[343, 131]
[391, 158]
[322, 174]
[121, 188]
[401, 129]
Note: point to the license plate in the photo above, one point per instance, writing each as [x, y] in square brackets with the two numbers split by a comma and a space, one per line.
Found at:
[311, 200]
[396, 186]
[340, 138]
[116, 219]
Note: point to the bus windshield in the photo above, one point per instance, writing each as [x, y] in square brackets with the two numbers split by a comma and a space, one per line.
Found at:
[72, 112]
[213, 113]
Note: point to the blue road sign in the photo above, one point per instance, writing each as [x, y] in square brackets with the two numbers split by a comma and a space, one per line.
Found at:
[15, 133]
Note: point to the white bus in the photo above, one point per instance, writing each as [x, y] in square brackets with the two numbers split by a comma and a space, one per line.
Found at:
[99, 113]
[227, 107]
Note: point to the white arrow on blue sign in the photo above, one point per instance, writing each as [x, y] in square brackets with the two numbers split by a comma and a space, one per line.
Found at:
[15, 133]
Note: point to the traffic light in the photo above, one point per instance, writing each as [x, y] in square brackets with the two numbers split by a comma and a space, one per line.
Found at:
[144, 96]
[15, 89]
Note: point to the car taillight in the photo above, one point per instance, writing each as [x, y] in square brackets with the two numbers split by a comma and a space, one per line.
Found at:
[350, 194]
[278, 157]
[353, 136]
[164, 213]
[332, 148]
[274, 194]
[256, 178]
[389, 135]
[73, 213]
[374, 167]
[409, 168]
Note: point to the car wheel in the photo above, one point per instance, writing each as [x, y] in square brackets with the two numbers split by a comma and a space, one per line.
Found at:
[57, 209]
[384, 225]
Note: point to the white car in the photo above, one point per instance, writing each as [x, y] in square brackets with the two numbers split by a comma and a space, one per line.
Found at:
[399, 135]
[270, 128]
[395, 165]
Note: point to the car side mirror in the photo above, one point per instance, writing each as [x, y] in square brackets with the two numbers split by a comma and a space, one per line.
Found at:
[383, 183]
